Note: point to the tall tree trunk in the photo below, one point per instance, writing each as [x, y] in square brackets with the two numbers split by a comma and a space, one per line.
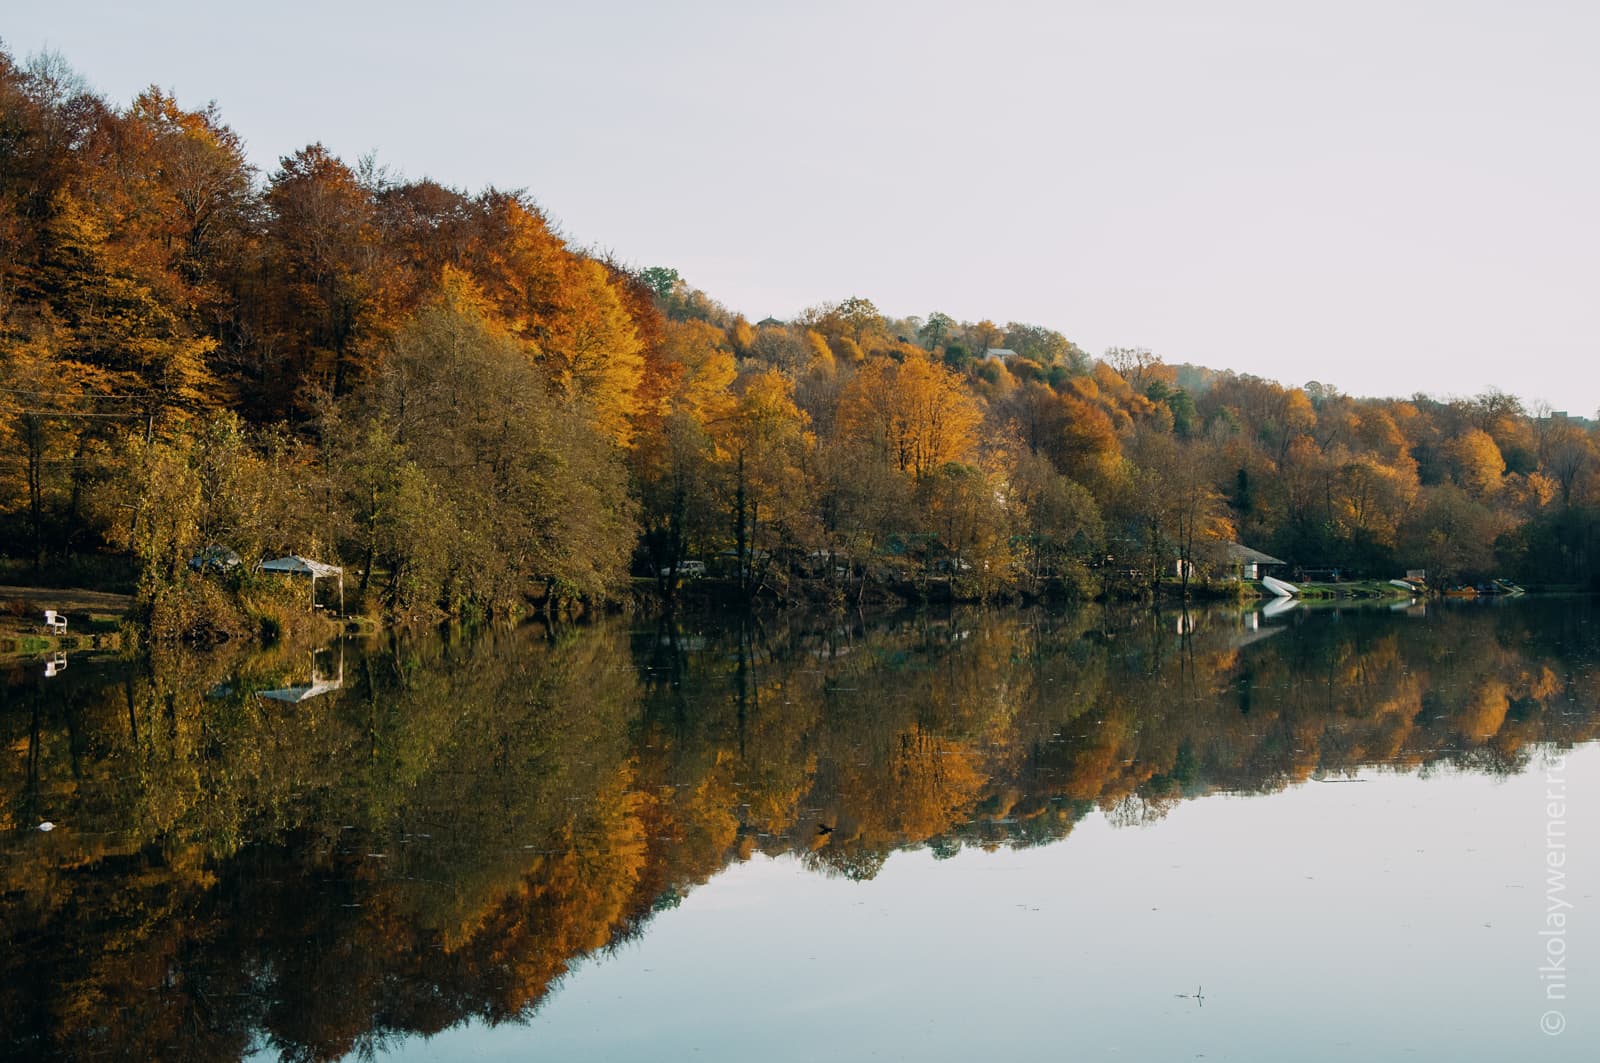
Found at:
[740, 538]
[33, 433]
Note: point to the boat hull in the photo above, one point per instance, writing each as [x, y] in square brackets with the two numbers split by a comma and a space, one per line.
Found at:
[1279, 588]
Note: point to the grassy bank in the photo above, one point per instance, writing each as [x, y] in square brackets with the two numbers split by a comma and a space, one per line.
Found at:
[1367, 589]
[94, 619]
[198, 611]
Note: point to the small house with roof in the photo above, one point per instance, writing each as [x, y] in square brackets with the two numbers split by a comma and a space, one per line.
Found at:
[1245, 563]
[1231, 561]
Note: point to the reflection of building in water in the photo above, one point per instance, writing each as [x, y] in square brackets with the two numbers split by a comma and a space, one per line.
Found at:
[55, 666]
[1251, 630]
[321, 683]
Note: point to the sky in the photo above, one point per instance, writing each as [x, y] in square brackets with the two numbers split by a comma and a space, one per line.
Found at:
[1387, 197]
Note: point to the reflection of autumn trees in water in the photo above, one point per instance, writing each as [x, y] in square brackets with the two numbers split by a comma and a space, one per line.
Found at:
[442, 837]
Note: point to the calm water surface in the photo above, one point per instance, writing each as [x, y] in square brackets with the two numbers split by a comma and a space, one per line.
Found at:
[1354, 834]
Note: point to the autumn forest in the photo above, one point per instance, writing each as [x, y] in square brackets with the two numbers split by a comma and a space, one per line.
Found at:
[439, 390]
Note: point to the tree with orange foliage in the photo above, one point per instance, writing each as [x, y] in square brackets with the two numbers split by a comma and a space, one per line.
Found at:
[200, 186]
[323, 236]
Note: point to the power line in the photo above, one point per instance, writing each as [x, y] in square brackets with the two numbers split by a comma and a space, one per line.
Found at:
[126, 396]
[72, 413]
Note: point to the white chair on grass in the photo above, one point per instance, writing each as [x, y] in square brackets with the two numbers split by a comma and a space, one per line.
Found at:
[55, 622]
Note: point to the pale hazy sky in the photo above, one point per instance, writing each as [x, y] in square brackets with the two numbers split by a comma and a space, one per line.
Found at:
[1384, 196]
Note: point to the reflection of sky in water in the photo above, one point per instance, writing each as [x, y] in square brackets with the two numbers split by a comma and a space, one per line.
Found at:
[1394, 918]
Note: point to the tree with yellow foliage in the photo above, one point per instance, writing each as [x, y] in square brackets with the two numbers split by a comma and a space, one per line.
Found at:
[762, 445]
[672, 456]
[591, 351]
[1477, 462]
[1370, 499]
[916, 413]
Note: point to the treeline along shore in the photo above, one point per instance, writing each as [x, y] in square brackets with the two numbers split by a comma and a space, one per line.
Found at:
[435, 390]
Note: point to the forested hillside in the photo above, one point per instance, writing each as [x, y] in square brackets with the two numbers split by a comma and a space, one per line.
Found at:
[437, 389]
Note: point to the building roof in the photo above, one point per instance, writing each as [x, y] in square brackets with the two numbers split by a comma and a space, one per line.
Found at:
[1005, 354]
[1247, 556]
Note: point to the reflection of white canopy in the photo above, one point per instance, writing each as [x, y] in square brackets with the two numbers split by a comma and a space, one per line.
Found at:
[319, 685]
[298, 694]
[304, 566]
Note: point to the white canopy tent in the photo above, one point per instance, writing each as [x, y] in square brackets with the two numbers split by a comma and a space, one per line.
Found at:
[304, 566]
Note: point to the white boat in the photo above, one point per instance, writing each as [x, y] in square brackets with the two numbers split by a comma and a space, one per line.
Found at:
[1280, 588]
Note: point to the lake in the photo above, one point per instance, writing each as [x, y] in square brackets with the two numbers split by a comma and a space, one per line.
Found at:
[1353, 834]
